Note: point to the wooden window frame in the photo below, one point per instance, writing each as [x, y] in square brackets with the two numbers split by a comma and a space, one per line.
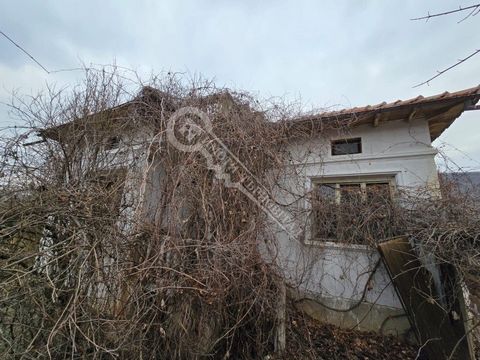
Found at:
[338, 181]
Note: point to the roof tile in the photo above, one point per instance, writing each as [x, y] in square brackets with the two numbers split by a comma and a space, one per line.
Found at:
[420, 100]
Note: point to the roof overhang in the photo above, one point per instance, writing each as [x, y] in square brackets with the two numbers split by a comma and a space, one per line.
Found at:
[440, 111]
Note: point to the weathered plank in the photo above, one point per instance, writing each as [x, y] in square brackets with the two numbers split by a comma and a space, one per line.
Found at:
[441, 331]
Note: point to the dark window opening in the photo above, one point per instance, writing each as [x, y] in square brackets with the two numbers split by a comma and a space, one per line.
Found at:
[109, 189]
[347, 146]
[112, 143]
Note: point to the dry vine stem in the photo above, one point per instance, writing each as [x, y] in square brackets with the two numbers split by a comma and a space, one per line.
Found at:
[115, 244]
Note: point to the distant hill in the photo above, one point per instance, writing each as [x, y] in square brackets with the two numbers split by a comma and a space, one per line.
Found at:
[467, 181]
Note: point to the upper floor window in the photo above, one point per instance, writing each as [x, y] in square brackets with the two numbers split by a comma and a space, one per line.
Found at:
[353, 211]
[112, 142]
[347, 146]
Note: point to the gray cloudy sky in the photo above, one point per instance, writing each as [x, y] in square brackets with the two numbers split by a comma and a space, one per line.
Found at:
[345, 53]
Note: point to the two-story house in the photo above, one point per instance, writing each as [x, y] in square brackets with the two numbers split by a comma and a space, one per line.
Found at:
[360, 155]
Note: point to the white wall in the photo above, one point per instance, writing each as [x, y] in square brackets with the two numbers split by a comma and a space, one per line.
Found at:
[399, 149]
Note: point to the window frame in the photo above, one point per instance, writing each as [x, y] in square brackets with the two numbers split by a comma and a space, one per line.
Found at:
[351, 140]
[113, 143]
[113, 181]
[363, 180]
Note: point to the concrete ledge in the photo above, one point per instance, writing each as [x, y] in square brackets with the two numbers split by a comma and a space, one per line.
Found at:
[365, 317]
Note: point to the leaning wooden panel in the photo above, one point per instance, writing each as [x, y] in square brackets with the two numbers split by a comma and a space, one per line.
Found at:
[441, 331]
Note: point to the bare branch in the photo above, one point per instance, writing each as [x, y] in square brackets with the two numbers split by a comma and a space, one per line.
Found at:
[460, 9]
[25, 51]
[439, 73]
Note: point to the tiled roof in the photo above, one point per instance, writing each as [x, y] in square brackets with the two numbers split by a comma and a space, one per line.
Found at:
[440, 110]
[419, 100]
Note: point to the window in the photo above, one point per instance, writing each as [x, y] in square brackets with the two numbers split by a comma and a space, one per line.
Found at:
[353, 211]
[112, 142]
[109, 188]
[347, 146]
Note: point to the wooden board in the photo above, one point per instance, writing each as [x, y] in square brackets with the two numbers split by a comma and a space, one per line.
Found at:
[441, 331]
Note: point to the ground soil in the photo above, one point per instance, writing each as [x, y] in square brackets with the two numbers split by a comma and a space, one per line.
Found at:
[310, 339]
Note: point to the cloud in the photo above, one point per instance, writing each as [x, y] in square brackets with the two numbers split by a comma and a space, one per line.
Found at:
[353, 53]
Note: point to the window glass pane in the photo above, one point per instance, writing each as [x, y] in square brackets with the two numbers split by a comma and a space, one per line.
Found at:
[326, 191]
[325, 225]
[350, 213]
[380, 224]
[350, 194]
[325, 212]
[347, 146]
[378, 191]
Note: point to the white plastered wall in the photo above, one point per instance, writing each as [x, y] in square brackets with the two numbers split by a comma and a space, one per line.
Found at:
[398, 149]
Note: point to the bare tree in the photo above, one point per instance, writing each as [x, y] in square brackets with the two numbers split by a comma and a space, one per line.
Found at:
[470, 11]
